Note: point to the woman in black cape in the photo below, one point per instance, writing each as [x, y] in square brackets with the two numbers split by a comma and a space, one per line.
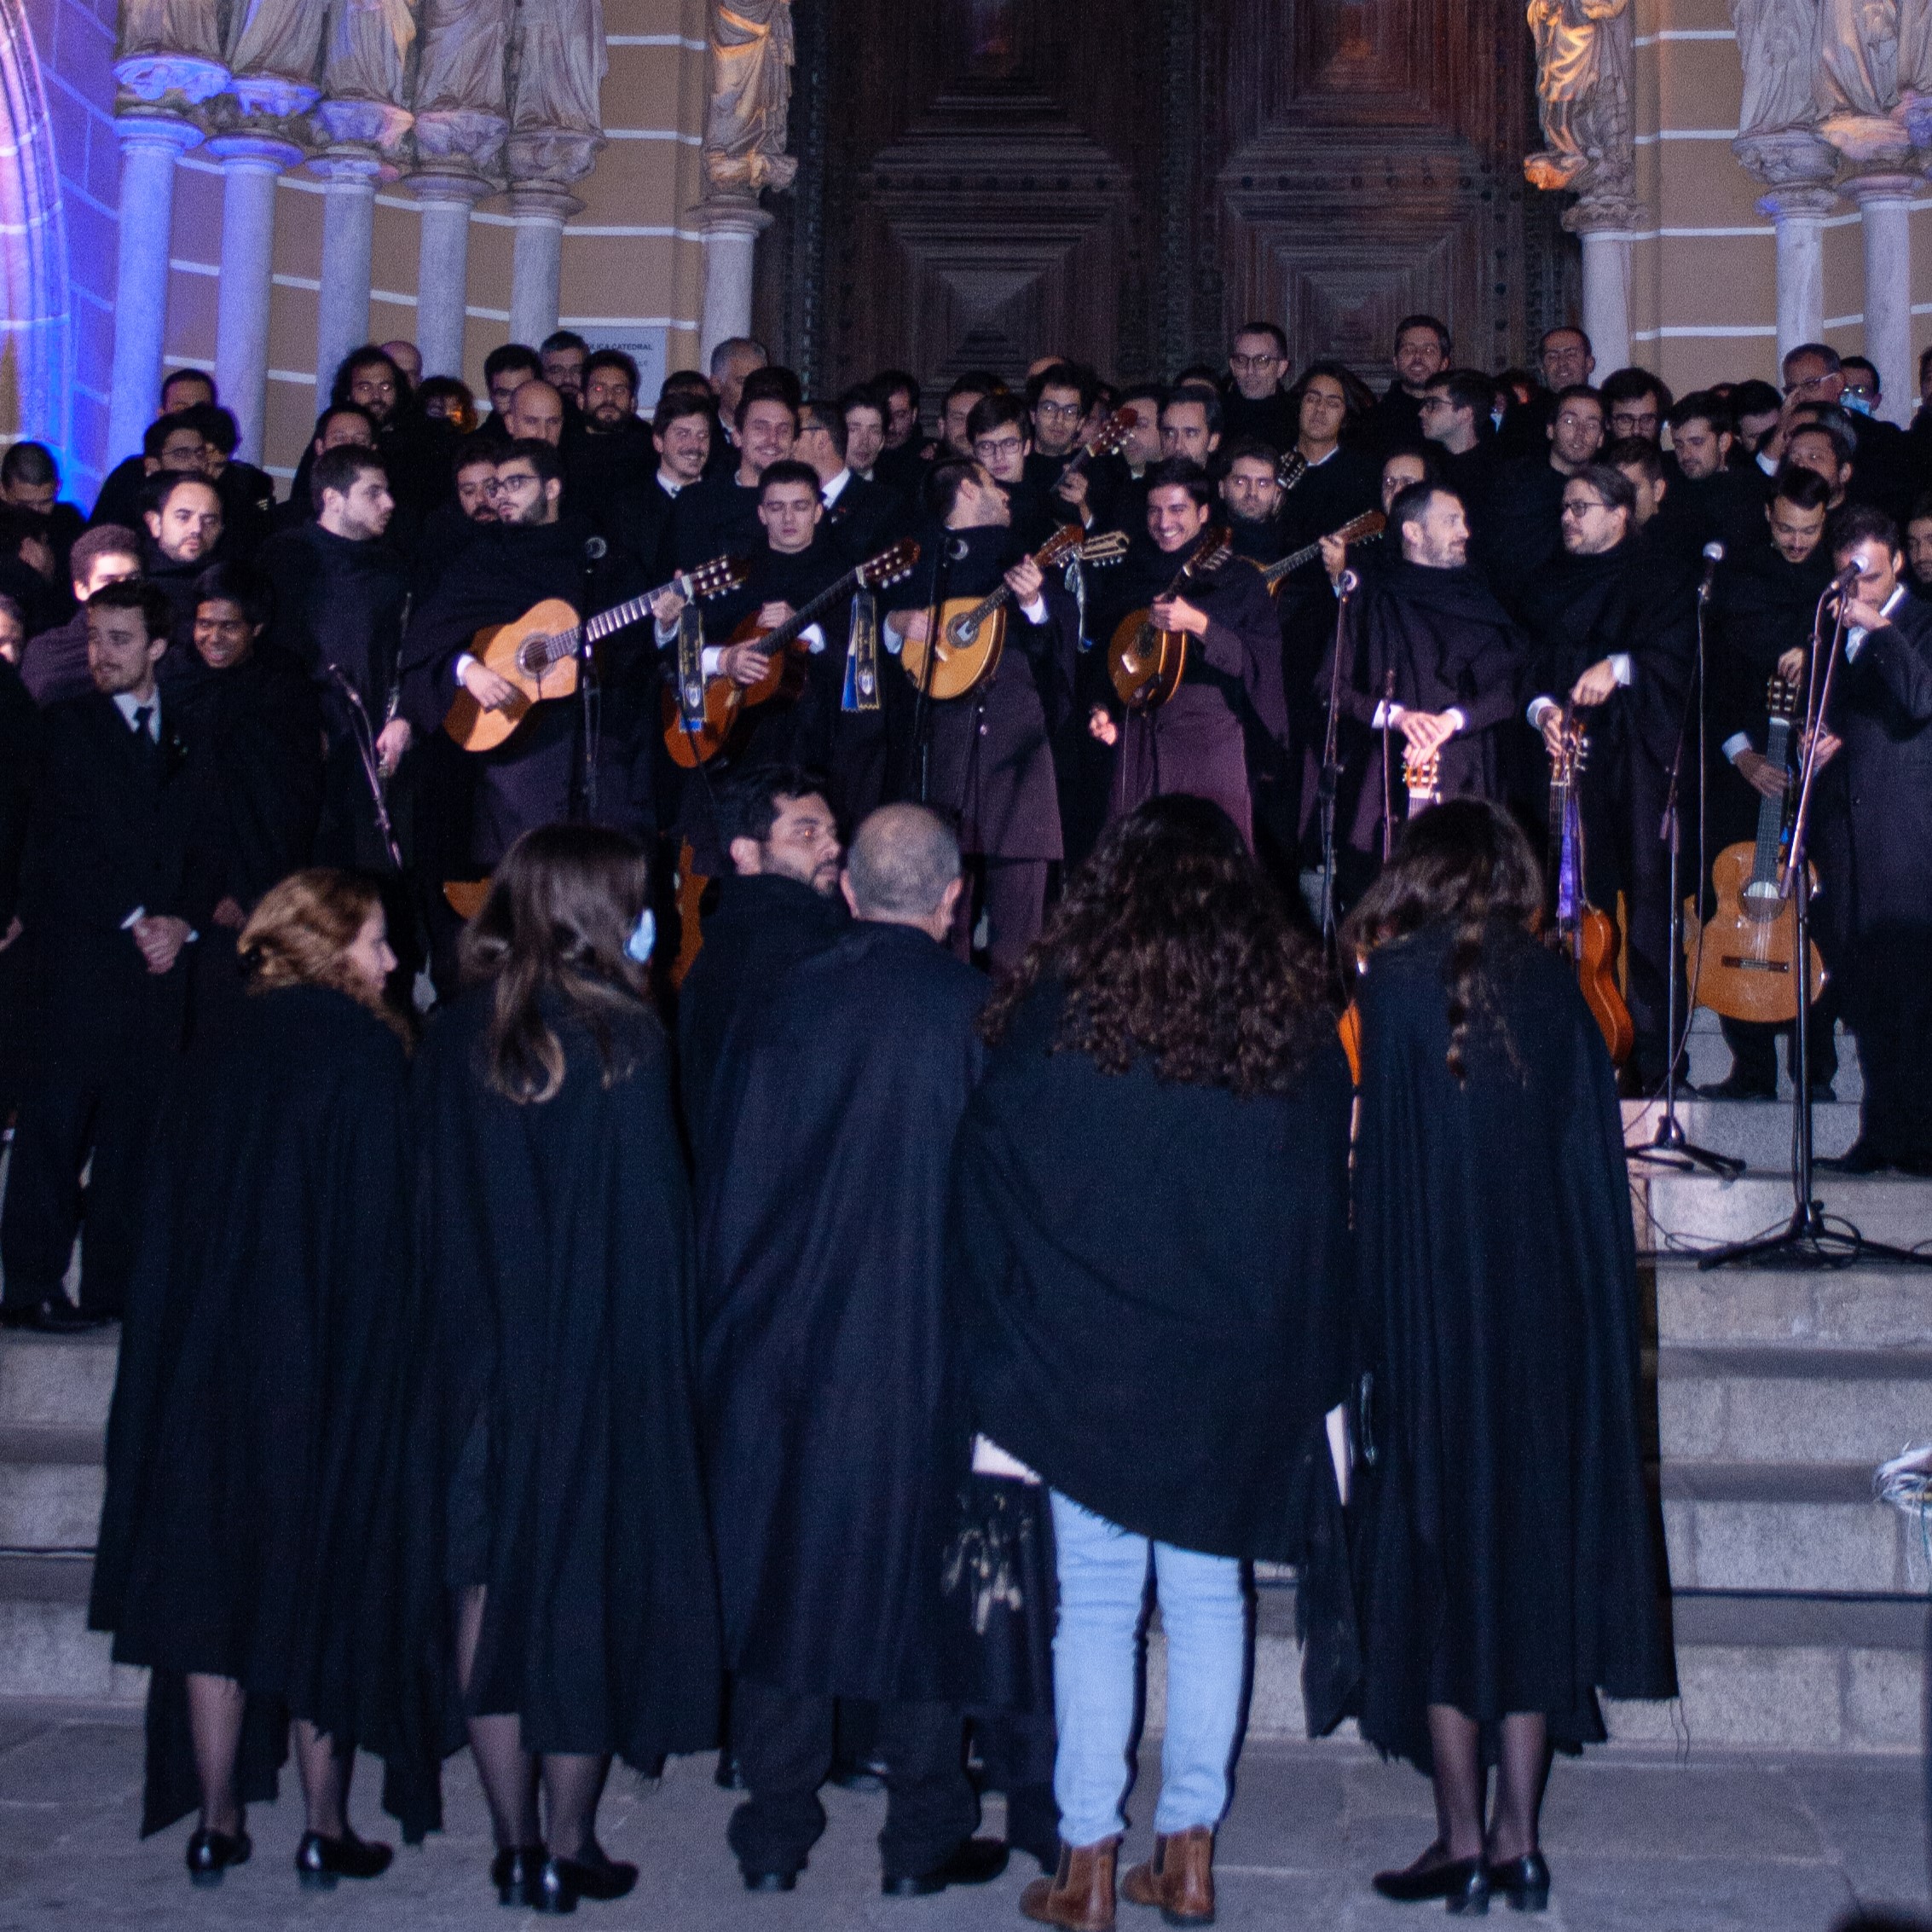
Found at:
[1150, 1232]
[1509, 1556]
[563, 1514]
[260, 1395]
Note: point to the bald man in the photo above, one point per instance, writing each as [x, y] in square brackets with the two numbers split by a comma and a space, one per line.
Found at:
[827, 1366]
[535, 413]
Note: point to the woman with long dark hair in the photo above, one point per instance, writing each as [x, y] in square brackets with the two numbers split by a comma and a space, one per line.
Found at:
[1508, 1558]
[261, 1395]
[566, 1518]
[1150, 1199]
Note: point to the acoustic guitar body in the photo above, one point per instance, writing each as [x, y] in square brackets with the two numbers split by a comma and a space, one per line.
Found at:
[1745, 970]
[1145, 663]
[967, 654]
[1596, 980]
[725, 703]
[517, 653]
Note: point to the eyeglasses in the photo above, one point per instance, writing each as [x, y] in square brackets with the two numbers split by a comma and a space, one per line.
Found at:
[1060, 412]
[1253, 362]
[498, 486]
[1577, 505]
[1005, 445]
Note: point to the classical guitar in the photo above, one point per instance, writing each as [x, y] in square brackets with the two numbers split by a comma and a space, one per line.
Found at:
[1576, 927]
[1364, 529]
[972, 630]
[538, 653]
[1290, 470]
[1744, 958]
[726, 701]
[1145, 662]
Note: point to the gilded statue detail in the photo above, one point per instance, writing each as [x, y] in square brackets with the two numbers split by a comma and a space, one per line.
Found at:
[1583, 62]
[751, 63]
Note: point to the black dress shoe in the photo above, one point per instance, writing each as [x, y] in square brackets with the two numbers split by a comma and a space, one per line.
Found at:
[1734, 1086]
[319, 1861]
[867, 1776]
[1463, 1883]
[975, 1861]
[1861, 1157]
[1525, 1881]
[210, 1854]
[729, 1775]
[563, 1880]
[514, 1872]
[54, 1316]
[769, 1881]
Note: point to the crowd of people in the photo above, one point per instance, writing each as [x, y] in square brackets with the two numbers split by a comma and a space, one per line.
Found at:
[788, 1336]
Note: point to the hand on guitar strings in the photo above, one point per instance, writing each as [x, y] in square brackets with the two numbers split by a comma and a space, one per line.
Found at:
[1761, 774]
[1100, 725]
[1177, 614]
[667, 606]
[745, 664]
[1025, 581]
[491, 691]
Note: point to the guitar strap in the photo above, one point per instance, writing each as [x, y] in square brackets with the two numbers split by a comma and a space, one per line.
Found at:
[691, 668]
[861, 691]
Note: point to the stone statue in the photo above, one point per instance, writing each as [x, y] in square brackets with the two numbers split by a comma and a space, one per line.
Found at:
[751, 62]
[1583, 57]
[193, 27]
[282, 38]
[560, 66]
[1858, 80]
[1778, 46]
[366, 54]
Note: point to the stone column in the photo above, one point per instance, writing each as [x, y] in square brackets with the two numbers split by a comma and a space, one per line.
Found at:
[1605, 229]
[536, 270]
[249, 165]
[348, 215]
[150, 142]
[443, 267]
[1883, 200]
[730, 225]
[1798, 169]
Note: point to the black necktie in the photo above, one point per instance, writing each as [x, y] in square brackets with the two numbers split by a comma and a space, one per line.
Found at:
[145, 747]
[143, 714]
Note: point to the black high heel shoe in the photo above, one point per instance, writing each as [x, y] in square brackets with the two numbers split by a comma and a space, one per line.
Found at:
[1525, 1881]
[515, 1871]
[1462, 1884]
[319, 1861]
[563, 1880]
[210, 1854]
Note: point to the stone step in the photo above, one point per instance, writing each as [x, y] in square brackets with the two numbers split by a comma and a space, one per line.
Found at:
[1710, 1058]
[1686, 1214]
[1791, 1405]
[1756, 1131]
[65, 1381]
[51, 1482]
[1869, 1306]
[1769, 1526]
[46, 1649]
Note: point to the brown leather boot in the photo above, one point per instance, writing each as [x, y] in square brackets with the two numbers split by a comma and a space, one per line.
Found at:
[1080, 1893]
[1180, 1879]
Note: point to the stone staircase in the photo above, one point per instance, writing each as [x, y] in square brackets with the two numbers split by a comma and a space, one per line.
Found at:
[1800, 1603]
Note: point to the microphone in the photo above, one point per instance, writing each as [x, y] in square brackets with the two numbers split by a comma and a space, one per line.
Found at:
[1348, 583]
[595, 549]
[1846, 578]
[1712, 556]
[956, 549]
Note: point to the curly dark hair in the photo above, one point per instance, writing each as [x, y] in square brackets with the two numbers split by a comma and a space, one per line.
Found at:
[1467, 862]
[1172, 943]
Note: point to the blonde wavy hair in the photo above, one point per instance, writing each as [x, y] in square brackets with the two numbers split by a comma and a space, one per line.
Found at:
[299, 931]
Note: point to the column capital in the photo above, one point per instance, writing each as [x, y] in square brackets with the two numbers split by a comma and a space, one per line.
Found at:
[549, 157]
[273, 97]
[351, 167]
[1881, 188]
[1798, 203]
[1609, 216]
[732, 215]
[542, 202]
[151, 76]
[1791, 158]
[155, 128]
[447, 187]
[376, 125]
[460, 140]
[243, 150]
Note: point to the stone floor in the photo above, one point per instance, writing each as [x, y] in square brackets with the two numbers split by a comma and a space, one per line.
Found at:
[1717, 1843]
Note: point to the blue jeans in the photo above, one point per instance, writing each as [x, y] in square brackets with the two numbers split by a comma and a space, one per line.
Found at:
[1102, 1573]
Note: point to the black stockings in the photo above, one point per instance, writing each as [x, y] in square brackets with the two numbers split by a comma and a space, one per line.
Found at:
[215, 1708]
[1522, 1772]
[572, 1782]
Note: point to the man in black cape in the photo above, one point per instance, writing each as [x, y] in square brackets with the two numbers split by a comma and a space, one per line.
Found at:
[1615, 623]
[986, 757]
[537, 778]
[829, 1382]
[779, 904]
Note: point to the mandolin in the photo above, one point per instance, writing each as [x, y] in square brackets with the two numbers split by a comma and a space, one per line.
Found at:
[726, 701]
[1107, 440]
[1145, 663]
[972, 630]
[1577, 927]
[1364, 529]
[1743, 957]
[538, 653]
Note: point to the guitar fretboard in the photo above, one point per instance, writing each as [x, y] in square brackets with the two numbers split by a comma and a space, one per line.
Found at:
[1771, 811]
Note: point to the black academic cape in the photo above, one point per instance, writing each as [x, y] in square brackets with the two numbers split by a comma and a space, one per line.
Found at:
[764, 923]
[1508, 1555]
[557, 1463]
[1523, 534]
[1331, 493]
[1153, 1279]
[1449, 645]
[252, 1444]
[19, 735]
[54, 665]
[715, 517]
[833, 1441]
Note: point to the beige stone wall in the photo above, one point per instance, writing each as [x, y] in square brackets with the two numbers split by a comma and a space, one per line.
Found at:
[633, 263]
[1704, 287]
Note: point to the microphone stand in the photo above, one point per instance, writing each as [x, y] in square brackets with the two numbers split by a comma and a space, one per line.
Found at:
[588, 696]
[1809, 1239]
[1669, 1146]
[1331, 768]
[372, 765]
[923, 702]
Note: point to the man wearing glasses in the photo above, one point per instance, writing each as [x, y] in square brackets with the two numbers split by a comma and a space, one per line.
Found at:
[1636, 404]
[1255, 405]
[1615, 618]
[1422, 355]
[999, 433]
[1058, 398]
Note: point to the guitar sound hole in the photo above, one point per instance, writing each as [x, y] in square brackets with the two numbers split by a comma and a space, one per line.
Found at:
[1761, 901]
[958, 633]
[535, 657]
